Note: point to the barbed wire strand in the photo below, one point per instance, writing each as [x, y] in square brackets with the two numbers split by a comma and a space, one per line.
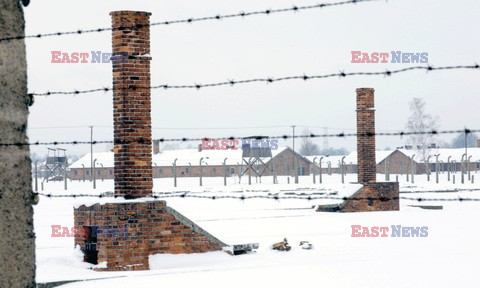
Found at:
[271, 197]
[267, 80]
[284, 137]
[294, 8]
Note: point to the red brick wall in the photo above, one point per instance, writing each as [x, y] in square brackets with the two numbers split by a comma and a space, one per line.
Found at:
[148, 228]
[366, 144]
[131, 105]
[389, 191]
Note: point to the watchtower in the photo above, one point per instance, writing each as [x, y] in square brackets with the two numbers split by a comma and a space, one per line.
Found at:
[56, 164]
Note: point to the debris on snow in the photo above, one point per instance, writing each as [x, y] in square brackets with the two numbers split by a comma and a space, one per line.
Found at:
[282, 246]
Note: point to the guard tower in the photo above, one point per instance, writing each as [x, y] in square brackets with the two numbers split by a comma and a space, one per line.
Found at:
[256, 156]
[56, 164]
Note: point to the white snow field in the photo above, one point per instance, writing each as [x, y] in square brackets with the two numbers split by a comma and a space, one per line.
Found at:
[447, 257]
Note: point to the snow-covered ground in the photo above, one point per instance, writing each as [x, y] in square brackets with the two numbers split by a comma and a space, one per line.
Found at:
[445, 258]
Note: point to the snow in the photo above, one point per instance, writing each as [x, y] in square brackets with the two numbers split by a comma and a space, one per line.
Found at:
[443, 259]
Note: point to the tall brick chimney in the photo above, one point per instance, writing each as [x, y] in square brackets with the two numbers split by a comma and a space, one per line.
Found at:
[478, 142]
[131, 104]
[372, 196]
[162, 229]
[366, 138]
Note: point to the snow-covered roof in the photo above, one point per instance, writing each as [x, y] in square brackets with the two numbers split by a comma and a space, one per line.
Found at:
[183, 156]
[104, 158]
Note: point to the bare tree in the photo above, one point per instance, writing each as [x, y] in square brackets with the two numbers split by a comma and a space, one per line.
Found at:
[334, 151]
[308, 148]
[420, 121]
[459, 140]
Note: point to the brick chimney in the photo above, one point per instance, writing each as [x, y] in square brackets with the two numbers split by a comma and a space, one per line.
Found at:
[372, 196]
[478, 142]
[366, 139]
[144, 227]
[131, 104]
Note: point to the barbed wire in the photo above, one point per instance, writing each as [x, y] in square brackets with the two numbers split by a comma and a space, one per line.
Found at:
[267, 80]
[271, 197]
[294, 8]
[284, 137]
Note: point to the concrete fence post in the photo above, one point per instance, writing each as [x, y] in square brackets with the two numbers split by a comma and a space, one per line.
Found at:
[175, 172]
[225, 172]
[65, 176]
[413, 168]
[84, 171]
[320, 170]
[449, 168]
[102, 174]
[468, 166]
[427, 168]
[436, 168]
[313, 169]
[17, 238]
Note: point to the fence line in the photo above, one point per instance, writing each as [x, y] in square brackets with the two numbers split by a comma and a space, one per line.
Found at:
[284, 137]
[267, 80]
[273, 197]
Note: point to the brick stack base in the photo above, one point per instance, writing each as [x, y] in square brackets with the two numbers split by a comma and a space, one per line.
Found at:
[387, 190]
[133, 231]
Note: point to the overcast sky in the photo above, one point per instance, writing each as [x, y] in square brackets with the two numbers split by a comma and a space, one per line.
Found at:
[317, 41]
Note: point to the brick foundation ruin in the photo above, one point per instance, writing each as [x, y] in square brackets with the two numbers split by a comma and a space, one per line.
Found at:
[388, 192]
[124, 234]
